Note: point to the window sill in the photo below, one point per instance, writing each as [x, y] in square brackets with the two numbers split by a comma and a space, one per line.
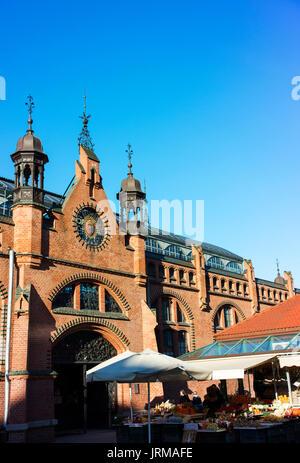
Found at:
[168, 322]
[90, 313]
[183, 324]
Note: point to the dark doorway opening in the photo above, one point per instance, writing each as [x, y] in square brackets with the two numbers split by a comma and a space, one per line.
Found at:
[80, 405]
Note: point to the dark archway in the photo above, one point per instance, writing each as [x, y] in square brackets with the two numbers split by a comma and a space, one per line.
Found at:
[80, 405]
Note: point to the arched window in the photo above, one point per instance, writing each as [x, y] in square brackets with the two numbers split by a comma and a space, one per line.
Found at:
[26, 175]
[89, 296]
[181, 276]
[182, 342]
[191, 278]
[226, 316]
[65, 298]
[167, 309]
[180, 315]
[111, 304]
[172, 274]
[215, 262]
[86, 295]
[215, 283]
[168, 340]
[171, 318]
[131, 215]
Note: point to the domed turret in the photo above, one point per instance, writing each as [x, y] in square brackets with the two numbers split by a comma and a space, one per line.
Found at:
[29, 143]
[29, 160]
[132, 206]
[279, 279]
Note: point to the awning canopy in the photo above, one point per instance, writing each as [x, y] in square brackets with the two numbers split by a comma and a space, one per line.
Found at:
[292, 360]
[227, 367]
[146, 366]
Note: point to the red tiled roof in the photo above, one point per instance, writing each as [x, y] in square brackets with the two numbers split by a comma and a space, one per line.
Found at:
[281, 318]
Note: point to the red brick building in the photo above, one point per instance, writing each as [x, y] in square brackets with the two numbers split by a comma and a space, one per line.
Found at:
[85, 287]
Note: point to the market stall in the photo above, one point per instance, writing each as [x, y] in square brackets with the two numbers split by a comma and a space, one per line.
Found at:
[240, 419]
[144, 367]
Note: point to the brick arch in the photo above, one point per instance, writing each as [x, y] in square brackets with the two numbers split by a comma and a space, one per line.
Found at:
[3, 297]
[92, 276]
[112, 333]
[228, 302]
[170, 292]
[188, 310]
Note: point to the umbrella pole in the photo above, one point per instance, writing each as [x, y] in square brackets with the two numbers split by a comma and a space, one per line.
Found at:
[131, 410]
[149, 423]
[289, 385]
[274, 381]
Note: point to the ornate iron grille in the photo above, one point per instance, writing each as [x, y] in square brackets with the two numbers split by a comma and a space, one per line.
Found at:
[83, 347]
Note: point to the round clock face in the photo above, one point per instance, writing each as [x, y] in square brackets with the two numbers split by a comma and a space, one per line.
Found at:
[90, 228]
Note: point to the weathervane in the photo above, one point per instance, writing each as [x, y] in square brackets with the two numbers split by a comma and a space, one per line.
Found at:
[130, 152]
[84, 138]
[30, 105]
[278, 271]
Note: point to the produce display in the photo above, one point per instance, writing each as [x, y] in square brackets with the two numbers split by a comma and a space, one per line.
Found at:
[240, 411]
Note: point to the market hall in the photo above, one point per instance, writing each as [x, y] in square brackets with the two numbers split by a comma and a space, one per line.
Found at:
[80, 284]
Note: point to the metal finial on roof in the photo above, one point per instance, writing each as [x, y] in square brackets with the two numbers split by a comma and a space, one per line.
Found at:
[277, 263]
[30, 105]
[84, 137]
[130, 152]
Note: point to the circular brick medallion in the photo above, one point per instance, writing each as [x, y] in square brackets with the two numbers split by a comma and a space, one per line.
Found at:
[91, 228]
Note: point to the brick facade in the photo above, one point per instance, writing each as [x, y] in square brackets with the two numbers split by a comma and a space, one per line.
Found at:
[49, 258]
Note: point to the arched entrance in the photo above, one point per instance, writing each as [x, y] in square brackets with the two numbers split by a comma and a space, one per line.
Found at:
[80, 405]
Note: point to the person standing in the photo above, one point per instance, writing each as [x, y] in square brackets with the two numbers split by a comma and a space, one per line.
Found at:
[197, 401]
[183, 397]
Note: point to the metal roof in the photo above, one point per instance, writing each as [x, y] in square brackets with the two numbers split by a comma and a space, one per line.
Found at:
[208, 248]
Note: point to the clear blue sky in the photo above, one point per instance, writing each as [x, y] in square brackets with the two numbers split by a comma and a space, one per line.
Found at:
[201, 89]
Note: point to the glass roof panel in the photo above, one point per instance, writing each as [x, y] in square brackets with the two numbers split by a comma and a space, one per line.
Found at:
[243, 347]
[247, 346]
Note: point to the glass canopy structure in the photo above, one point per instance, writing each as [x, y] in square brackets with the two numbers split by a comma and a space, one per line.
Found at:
[286, 342]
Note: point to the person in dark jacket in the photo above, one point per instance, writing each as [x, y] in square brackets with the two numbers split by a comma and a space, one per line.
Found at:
[183, 397]
[213, 400]
[197, 401]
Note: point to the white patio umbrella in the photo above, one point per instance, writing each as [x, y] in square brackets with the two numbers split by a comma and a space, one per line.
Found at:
[143, 367]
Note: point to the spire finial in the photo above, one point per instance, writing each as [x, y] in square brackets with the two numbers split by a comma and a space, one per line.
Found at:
[30, 106]
[84, 137]
[130, 152]
[277, 263]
